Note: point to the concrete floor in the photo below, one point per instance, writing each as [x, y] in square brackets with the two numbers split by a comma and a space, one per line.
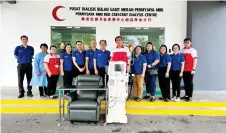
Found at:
[30, 123]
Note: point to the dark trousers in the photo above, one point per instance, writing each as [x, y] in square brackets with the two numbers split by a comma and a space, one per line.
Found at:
[188, 83]
[92, 72]
[102, 73]
[77, 72]
[164, 82]
[23, 69]
[52, 84]
[68, 79]
[176, 80]
[43, 90]
[150, 83]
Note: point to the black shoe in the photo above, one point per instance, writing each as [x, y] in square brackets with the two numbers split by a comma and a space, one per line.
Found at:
[161, 98]
[146, 97]
[21, 95]
[29, 94]
[134, 98]
[166, 100]
[188, 99]
[152, 99]
[184, 97]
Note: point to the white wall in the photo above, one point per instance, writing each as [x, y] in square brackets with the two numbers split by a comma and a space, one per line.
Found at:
[35, 18]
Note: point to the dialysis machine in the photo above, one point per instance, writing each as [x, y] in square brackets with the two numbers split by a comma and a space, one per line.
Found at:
[118, 92]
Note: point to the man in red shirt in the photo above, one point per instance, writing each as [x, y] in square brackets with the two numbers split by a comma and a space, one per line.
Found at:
[120, 53]
[190, 56]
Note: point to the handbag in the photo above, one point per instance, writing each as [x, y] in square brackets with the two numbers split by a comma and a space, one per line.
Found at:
[153, 71]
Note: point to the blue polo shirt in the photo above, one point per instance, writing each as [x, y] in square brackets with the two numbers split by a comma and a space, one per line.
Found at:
[80, 57]
[68, 63]
[90, 55]
[102, 58]
[177, 59]
[24, 55]
[137, 66]
[151, 57]
[164, 60]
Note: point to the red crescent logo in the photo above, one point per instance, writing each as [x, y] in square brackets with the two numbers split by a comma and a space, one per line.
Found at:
[54, 13]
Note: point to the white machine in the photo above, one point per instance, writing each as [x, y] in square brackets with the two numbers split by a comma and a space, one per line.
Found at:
[118, 92]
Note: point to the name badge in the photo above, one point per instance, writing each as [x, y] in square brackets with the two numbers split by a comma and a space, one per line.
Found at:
[57, 66]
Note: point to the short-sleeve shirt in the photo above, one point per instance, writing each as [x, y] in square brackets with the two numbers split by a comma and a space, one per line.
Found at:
[164, 60]
[137, 66]
[68, 63]
[177, 59]
[102, 58]
[90, 55]
[189, 55]
[24, 55]
[53, 62]
[80, 57]
[120, 54]
[151, 57]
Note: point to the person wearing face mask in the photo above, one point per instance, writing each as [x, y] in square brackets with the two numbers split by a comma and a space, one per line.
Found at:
[78, 57]
[89, 58]
[139, 64]
[176, 72]
[190, 56]
[39, 77]
[67, 66]
[151, 72]
[163, 73]
[52, 66]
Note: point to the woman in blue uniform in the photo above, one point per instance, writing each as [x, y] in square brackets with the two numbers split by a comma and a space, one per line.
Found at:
[67, 66]
[101, 61]
[152, 58]
[139, 64]
[39, 76]
[177, 68]
[163, 73]
[78, 57]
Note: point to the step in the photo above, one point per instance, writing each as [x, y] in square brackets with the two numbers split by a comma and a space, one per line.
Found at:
[132, 107]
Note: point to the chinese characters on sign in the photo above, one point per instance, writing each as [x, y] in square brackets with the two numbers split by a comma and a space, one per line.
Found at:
[116, 14]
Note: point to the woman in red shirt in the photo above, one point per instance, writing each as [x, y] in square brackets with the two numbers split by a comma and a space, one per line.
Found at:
[52, 66]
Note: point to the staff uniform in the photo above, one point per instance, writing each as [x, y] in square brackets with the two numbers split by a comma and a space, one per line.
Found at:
[40, 80]
[150, 80]
[138, 81]
[67, 68]
[177, 59]
[80, 60]
[90, 55]
[102, 58]
[189, 55]
[164, 82]
[24, 60]
[53, 62]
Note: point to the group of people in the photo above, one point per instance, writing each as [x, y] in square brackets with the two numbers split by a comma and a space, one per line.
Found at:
[150, 64]
[146, 66]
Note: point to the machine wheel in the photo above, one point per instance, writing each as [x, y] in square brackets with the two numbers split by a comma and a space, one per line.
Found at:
[72, 122]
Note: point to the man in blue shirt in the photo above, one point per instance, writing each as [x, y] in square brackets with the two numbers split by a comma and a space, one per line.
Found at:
[78, 57]
[89, 58]
[101, 61]
[24, 55]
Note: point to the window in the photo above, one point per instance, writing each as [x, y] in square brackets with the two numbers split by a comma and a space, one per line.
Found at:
[140, 36]
[64, 35]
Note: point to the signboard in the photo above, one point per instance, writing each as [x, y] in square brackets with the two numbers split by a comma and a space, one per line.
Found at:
[113, 14]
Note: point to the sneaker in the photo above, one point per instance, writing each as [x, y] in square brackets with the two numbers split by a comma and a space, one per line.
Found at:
[51, 97]
[146, 97]
[139, 99]
[21, 95]
[152, 99]
[134, 98]
[177, 99]
[173, 98]
[29, 94]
